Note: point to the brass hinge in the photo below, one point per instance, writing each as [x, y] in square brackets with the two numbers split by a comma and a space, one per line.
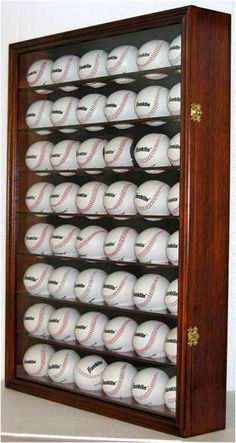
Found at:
[193, 336]
[196, 112]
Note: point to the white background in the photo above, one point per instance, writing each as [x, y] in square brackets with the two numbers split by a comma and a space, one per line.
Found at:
[22, 20]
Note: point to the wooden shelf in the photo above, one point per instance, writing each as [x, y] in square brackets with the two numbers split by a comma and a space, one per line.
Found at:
[169, 70]
[106, 170]
[118, 216]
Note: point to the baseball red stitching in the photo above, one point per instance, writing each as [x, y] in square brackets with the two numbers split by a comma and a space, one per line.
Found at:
[40, 320]
[40, 280]
[42, 360]
[120, 243]
[151, 57]
[91, 111]
[63, 366]
[63, 196]
[40, 113]
[66, 113]
[89, 285]
[119, 152]
[120, 60]
[118, 334]
[64, 241]
[171, 357]
[155, 106]
[121, 197]
[151, 340]
[63, 281]
[151, 292]
[39, 198]
[40, 73]
[152, 200]
[41, 155]
[150, 388]
[91, 328]
[91, 154]
[40, 240]
[90, 376]
[152, 152]
[120, 380]
[89, 238]
[118, 289]
[121, 107]
[65, 155]
[150, 245]
[92, 200]
[175, 211]
[66, 70]
[64, 324]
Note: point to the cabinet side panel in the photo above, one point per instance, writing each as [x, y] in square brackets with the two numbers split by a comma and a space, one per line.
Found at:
[208, 66]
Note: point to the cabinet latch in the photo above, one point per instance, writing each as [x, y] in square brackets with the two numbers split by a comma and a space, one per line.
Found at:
[193, 336]
[196, 112]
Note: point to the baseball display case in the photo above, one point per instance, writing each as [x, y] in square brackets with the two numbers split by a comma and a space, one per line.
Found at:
[118, 190]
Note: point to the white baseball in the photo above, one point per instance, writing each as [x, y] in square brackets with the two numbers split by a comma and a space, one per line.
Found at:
[151, 198]
[91, 110]
[39, 73]
[62, 281]
[37, 238]
[63, 113]
[174, 150]
[61, 325]
[149, 339]
[65, 69]
[172, 248]
[120, 105]
[36, 278]
[90, 242]
[121, 60]
[63, 199]
[90, 155]
[38, 116]
[152, 102]
[36, 319]
[150, 246]
[117, 153]
[117, 380]
[64, 157]
[118, 334]
[61, 366]
[37, 198]
[89, 284]
[151, 150]
[90, 198]
[174, 99]
[170, 346]
[89, 329]
[119, 198]
[171, 297]
[118, 288]
[88, 373]
[149, 386]
[153, 55]
[93, 64]
[37, 157]
[170, 394]
[175, 51]
[119, 244]
[173, 200]
[63, 240]
[149, 292]
[36, 359]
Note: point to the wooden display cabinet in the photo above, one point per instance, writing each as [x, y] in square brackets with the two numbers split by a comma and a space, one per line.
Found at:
[203, 221]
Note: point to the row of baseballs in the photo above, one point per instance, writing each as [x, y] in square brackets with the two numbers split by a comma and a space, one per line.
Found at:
[149, 386]
[152, 197]
[153, 245]
[153, 54]
[150, 151]
[150, 292]
[151, 339]
[150, 102]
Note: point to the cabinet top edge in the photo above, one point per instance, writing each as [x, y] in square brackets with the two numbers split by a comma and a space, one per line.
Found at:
[102, 30]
